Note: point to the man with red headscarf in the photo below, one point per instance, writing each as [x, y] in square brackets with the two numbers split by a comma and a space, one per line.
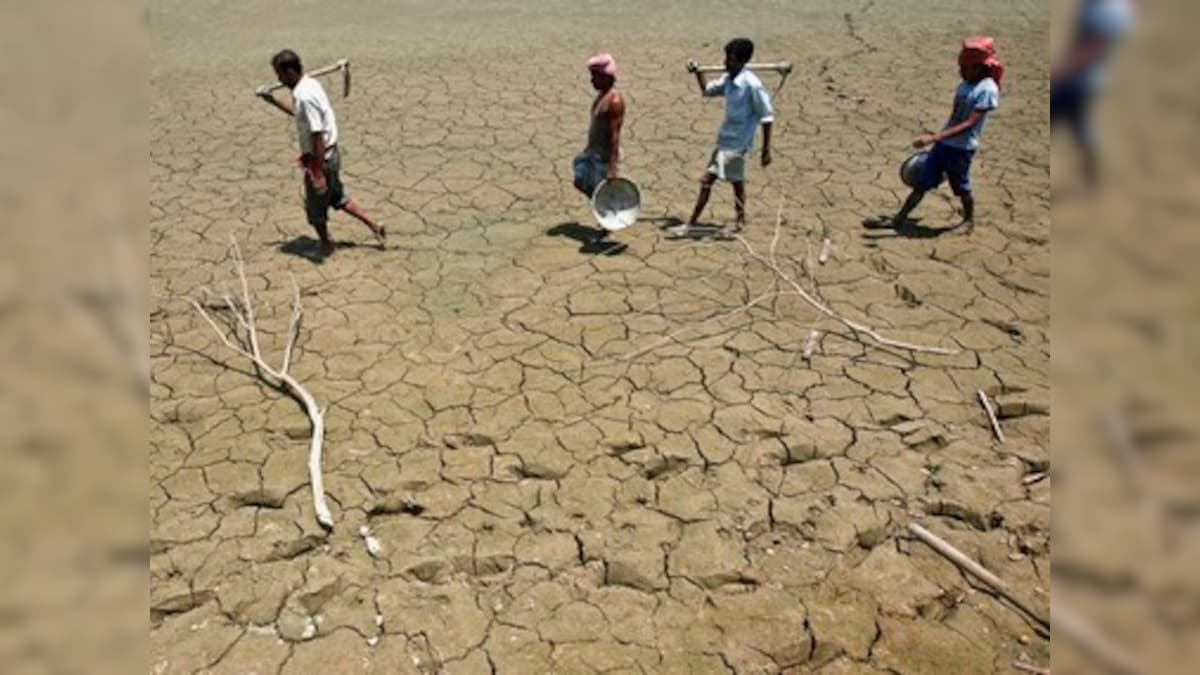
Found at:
[598, 161]
[955, 145]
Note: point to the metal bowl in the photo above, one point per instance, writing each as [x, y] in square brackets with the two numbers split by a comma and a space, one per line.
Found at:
[616, 203]
[910, 170]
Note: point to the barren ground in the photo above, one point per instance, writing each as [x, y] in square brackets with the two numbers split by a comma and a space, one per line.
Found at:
[580, 459]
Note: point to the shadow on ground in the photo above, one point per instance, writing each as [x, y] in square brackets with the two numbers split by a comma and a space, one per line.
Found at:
[911, 229]
[309, 249]
[593, 240]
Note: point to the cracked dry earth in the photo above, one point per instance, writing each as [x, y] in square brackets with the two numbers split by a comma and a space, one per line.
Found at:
[580, 462]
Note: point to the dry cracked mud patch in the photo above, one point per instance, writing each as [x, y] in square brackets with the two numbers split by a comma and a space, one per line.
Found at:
[586, 463]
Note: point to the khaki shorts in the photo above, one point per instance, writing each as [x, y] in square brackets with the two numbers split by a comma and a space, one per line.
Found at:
[728, 165]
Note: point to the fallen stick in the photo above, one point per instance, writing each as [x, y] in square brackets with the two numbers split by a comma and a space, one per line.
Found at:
[810, 344]
[965, 563]
[243, 311]
[1123, 445]
[1034, 478]
[820, 307]
[987, 405]
[1030, 668]
[1099, 646]
[826, 246]
[671, 336]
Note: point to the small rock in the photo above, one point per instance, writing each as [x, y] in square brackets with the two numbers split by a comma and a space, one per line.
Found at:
[373, 546]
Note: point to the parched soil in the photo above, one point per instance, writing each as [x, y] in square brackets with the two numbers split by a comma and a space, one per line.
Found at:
[588, 458]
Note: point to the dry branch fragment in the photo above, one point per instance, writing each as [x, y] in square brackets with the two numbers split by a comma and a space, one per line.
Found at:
[827, 311]
[810, 344]
[245, 342]
[967, 564]
[1030, 668]
[826, 247]
[991, 413]
[1076, 629]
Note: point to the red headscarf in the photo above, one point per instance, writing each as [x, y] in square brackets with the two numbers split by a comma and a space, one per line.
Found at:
[603, 63]
[981, 50]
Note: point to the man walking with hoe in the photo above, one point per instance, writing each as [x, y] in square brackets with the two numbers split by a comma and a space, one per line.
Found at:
[317, 132]
[747, 105]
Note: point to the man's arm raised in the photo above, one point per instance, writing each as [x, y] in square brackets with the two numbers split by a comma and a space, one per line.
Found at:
[265, 94]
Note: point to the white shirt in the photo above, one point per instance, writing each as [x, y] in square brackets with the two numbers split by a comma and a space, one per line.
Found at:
[747, 104]
[313, 114]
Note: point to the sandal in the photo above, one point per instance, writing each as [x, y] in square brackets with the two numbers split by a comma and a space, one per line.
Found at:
[679, 232]
[728, 233]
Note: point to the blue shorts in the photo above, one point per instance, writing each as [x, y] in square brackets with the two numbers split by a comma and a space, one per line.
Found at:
[1071, 102]
[589, 171]
[953, 163]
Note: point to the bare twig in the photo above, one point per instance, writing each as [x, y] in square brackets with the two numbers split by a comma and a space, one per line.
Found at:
[991, 413]
[243, 310]
[967, 564]
[671, 336]
[1123, 443]
[775, 236]
[830, 313]
[1030, 668]
[1034, 478]
[826, 247]
[1075, 628]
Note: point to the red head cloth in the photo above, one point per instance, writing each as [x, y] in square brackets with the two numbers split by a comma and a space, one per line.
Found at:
[981, 50]
[603, 63]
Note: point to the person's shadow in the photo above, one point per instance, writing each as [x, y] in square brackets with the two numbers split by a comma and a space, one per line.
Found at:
[593, 240]
[911, 228]
[309, 249]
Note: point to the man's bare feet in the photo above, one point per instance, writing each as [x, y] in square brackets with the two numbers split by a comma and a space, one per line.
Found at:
[380, 237]
[326, 247]
[879, 223]
[965, 227]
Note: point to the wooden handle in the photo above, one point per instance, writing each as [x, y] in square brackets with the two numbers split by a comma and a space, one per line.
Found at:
[782, 67]
[341, 64]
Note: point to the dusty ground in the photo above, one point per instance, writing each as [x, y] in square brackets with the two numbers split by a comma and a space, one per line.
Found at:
[581, 462]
